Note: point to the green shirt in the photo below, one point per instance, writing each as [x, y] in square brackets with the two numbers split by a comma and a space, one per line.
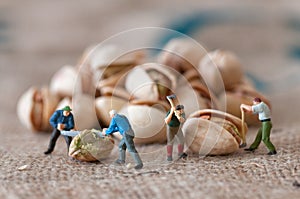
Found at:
[174, 120]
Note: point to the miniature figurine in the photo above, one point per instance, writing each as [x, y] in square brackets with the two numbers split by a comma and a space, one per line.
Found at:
[174, 120]
[264, 115]
[120, 123]
[60, 120]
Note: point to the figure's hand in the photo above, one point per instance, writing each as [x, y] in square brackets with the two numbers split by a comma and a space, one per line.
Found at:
[245, 108]
[173, 109]
[60, 127]
[104, 131]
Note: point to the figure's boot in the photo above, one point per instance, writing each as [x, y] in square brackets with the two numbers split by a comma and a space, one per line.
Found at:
[122, 155]
[169, 152]
[181, 154]
[137, 159]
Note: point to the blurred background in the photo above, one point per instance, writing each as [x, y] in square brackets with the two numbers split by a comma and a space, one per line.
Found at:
[39, 37]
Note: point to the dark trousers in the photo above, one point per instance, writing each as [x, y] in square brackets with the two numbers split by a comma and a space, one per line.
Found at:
[54, 136]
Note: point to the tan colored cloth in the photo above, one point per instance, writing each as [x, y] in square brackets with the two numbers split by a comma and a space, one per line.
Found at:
[38, 37]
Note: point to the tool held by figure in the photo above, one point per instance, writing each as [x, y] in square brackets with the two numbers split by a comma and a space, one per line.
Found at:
[172, 100]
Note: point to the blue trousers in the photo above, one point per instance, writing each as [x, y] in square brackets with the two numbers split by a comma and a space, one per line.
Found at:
[127, 143]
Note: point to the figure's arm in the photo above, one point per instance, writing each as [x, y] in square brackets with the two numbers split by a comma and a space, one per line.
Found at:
[180, 117]
[246, 108]
[169, 117]
[112, 127]
[53, 119]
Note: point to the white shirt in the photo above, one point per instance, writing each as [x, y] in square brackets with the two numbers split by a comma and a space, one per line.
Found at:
[262, 110]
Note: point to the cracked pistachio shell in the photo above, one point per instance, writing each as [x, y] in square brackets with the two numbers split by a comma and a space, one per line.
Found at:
[109, 64]
[181, 54]
[106, 103]
[84, 112]
[190, 76]
[190, 98]
[63, 81]
[115, 91]
[147, 121]
[195, 96]
[231, 101]
[35, 108]
[88, 146]
[221, 69]
[69, 79]
[150, 81]
[212, 137]
[64, 102]
[103, 56]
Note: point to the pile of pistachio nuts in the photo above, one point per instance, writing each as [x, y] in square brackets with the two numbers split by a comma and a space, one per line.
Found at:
[103, 80]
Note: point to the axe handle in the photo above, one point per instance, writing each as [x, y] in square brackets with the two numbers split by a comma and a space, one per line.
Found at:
[171, 102]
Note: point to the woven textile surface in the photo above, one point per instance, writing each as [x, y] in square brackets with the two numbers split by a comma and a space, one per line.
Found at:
[37, 38]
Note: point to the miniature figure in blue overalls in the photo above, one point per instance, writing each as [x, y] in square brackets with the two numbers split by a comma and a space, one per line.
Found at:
[120, 123]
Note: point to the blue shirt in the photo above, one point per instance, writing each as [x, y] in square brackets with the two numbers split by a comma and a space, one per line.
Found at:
[262, 110]
[59, 118]
[119, 123]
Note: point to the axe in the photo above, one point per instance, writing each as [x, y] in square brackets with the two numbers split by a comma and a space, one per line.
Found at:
[172, 100]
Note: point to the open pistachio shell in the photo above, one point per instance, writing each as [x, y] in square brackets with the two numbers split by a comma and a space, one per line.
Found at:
[69, 79]
[212, 132]
[103, 56]
[115, 91]
[105, 65]
[63, 81]
[106, 103]
[221, 69]
[35, 108]
[191, 99]
[84, 112]
[64, 102]
[231, 101]
[150, 81]
[181, 54]
[147, 121]
[89, 146]
[194, 95]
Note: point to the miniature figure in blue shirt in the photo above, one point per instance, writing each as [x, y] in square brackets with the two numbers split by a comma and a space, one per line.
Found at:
[120, 123]
[60, 120]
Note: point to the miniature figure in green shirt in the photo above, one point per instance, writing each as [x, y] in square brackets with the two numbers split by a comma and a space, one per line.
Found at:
[264, 115]
[174, 120]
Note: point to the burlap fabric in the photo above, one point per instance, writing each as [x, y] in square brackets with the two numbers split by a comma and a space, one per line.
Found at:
[38, 38]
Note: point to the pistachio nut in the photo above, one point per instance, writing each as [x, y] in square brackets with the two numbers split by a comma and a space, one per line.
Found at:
[64, 102]
[84, 112]
[147, 120]
[181, 54]
[230, 101]
[221, 68]
[109, 63]
[89, 146]
[68, 80]
[63, 81]
[212, 132]
[106, 103]
[35, 108]
[150, 81]
[195, 96]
